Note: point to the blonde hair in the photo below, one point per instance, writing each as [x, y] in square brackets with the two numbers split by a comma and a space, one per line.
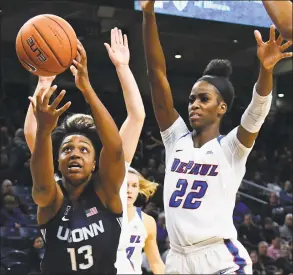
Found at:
[146, 188]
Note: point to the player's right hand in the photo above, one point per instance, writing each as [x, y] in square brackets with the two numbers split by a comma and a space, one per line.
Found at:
[47, 115]
[147, 6]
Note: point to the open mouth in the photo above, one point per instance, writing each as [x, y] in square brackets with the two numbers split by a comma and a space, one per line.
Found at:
[74, 167]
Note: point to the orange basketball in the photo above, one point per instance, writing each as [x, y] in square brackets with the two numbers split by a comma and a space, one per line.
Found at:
[46, 45]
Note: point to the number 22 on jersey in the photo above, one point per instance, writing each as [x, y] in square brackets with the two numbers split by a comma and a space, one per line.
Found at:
[190, 200]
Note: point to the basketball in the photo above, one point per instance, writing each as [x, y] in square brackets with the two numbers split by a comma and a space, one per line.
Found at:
[46, 45]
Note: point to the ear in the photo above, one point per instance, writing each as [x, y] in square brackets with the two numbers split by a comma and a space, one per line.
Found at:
[94, 167]
[222, 108]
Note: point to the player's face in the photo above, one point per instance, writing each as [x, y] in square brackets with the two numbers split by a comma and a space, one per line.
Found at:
[204, 108]
[132, 188]
[76, 159]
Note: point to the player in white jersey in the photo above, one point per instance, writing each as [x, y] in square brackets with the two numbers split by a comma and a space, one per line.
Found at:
[142, 227]
[203, 168]
[130, 130]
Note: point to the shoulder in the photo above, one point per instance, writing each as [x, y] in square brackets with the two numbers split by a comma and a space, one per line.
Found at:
[149, 223]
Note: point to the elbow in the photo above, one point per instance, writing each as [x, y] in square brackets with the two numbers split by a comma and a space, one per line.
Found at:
[138, 118]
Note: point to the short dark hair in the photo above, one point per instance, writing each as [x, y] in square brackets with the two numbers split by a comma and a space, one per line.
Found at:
[75, 124]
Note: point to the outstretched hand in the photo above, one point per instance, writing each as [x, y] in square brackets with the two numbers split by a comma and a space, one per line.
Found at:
[272, 51]
[47, 115]
[79, 69]
[118, 51]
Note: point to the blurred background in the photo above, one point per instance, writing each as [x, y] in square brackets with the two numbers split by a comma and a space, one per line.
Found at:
[192, 33]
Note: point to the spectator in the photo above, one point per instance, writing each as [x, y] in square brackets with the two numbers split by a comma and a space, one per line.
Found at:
[257, 267]
[273, 209]
[7, 189]
[161, 231]
[240, 210]
[10, 214]
[284, 262]
[249, 234]
[263, 257]
[286, 231]
[274, 248]
[286, 196]
[36, 254]
[269, 230]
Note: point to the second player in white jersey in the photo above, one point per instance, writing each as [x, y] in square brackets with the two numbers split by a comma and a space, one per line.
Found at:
[142, 227]
[138, 235]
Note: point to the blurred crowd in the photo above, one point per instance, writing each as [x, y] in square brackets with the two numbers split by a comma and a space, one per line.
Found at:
[262, 214]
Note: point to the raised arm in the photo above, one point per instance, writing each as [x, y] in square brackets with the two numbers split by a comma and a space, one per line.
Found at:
[156, 65]
[132, 126]
[45, 191]
[281, 12]
[112, 165]
[30, 124]
[269, 54]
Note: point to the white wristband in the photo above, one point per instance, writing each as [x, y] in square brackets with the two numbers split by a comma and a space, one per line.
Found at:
[256, 112]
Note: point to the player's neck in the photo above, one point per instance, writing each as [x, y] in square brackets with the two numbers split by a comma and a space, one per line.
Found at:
[205, 135]
[131, 209]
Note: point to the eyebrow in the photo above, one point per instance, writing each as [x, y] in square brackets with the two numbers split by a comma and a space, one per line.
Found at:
[66, 142]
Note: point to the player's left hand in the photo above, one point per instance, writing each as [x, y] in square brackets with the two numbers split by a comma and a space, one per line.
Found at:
[79, 69]
[118, 51]
[271, 52]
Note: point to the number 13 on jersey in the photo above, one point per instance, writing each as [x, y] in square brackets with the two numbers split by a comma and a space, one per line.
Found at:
[190, 200]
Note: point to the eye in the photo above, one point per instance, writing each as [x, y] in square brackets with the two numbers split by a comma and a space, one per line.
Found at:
[204, 99]
[84, 150]
[66, 149]
[191, 99]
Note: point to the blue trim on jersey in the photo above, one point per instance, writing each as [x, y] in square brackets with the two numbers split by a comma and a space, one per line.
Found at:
[138, 210]
[236, 257]
[219, 138]
[184, 135]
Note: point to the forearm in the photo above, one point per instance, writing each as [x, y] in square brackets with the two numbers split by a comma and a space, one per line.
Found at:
[131, 94]
[264, 84]
[30, 123]
[153, 50]
[280, 12]
[42, 166]
[158, 268]
[106, 127]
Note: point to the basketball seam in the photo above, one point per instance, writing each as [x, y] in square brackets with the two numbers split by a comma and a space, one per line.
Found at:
[37, 66]
[65, 34]
[55, 55]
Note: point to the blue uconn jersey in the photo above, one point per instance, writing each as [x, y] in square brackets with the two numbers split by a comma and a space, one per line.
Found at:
[82, 238]
[200, 185]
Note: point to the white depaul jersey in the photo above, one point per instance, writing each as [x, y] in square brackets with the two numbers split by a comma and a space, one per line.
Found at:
[122, 263]
[138, 236]
[201, 185]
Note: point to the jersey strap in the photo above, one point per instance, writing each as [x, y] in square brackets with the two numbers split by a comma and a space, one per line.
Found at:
[138, 210]
[219, 138]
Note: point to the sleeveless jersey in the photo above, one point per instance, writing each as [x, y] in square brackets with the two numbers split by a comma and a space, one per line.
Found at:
[122, 263]
[138, 235]
[201, 185]
[82, 238]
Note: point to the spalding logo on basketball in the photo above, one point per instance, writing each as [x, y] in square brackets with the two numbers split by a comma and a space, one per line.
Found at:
[46, 45]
